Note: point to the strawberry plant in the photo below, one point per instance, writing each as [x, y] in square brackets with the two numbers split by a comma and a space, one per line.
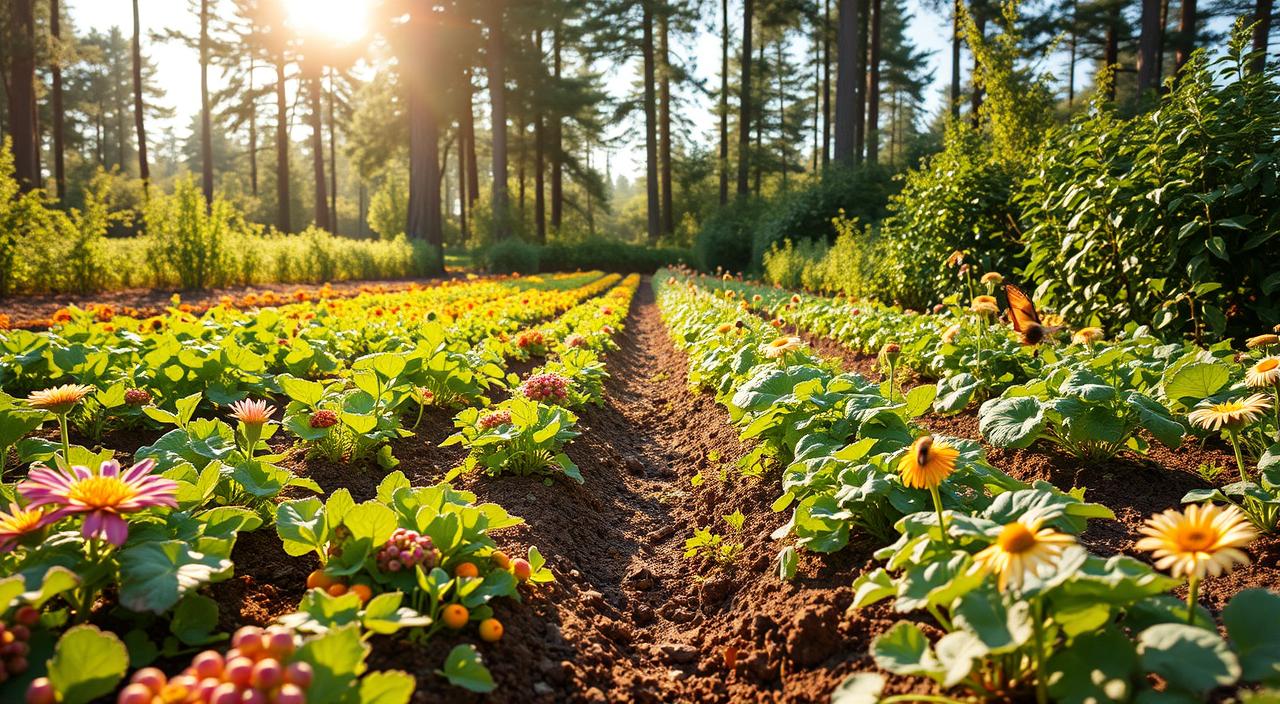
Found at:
[520, 436]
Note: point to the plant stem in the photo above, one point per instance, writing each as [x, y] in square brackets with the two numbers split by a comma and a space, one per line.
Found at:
[1037, 625]
[1277, 390]
[942, 518]
[66, 440]
[1193, 591]
[1235, 445]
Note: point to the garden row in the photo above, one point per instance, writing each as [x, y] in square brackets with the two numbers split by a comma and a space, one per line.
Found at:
[106, 567]
[997, 565]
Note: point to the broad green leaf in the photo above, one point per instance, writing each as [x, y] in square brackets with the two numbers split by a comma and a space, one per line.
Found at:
[87, 664]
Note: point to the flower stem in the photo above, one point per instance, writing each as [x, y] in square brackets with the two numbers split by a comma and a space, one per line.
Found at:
[66, 440]
[942, 517]
[891, 378]
[1277, 390]
[1235, 445]
[1037, 625]
[1193, 592]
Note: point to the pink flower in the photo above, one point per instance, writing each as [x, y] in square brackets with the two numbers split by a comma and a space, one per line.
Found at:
[103, 496]
[545, 387]
[495, 419]
[252, 412]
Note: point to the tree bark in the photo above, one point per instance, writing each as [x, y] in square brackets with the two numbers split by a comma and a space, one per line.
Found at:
[744, 101]
[59, 115]
[664, 123]
[1186, 32]
[557, 136]
[826, 83]
[846, 82]
[425, 219]
[469, 134]
[21, 91]
[1261, 32]
[539, 179]
[144, 171]
[873, 86]
[206, 121]
[975, 104]
[253, 135]
[1073, 44]
[463, 197]
[650, 126]
[333, 158]
[317, 148]
[1111, 49]
[724, 102]
[283, 218]
[955, 59]
[498, 108]
[1149, 46]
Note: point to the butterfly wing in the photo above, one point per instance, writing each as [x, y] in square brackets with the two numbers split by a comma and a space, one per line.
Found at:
[1022, 312]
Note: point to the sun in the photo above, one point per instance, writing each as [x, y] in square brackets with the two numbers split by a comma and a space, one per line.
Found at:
[338, 21]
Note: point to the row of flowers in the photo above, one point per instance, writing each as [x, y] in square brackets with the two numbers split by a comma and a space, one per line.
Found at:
[1024, 609]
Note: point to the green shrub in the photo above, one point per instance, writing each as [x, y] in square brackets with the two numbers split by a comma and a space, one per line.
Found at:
[610, 255]
[188, 235]
[1170, 217]
[725, 241]
[850, 266]
[510, 256]
[389, 206]
[806, 213]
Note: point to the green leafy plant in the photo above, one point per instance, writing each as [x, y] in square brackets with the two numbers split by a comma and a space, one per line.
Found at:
[520, 436]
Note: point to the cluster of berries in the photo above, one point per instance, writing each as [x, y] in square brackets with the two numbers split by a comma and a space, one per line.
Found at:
[493, 420]
[323, 419]
[13, 642]
[137, 397]
[545, 387]
[406, 549]
[575, 340]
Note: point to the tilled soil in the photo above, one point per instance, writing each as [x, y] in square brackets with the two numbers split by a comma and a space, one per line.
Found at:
[629, 618]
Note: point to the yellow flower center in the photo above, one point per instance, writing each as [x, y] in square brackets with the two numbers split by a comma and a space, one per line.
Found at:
[101, 492]
[1196, 538]
[21, 522]
[1267, 365]
[1016, 539]
[1228, 407]
[780, 342]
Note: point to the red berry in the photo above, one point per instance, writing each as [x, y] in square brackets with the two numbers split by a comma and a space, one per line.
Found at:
[298, 673]
[207, 664]
[21, 632]
[280, 642]
[291, 694]
[135, 694]
[239, 670]
[225, 693]
[254, 696]
[248, 640]
[40, 691]
[267, 674]
[27, 615]
[18, 666]
[521, 568]
[151, 678]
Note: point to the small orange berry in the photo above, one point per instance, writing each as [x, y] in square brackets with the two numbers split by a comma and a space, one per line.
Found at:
[501, 560]
[455, 616]
[319, 580]
[466, 569]
[491, 630]
[337, 589]
[363, 591]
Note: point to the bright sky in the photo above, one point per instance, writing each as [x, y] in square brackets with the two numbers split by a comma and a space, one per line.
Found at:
[178, 70]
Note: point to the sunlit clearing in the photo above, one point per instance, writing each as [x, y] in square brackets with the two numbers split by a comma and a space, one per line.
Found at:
[340, 21]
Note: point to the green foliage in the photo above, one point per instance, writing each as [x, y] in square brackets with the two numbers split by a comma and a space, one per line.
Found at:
[189, 234]
[1171, 216]
[389, 206]
[859, 193]
[850, 266]
[510, 256]
[514, 255]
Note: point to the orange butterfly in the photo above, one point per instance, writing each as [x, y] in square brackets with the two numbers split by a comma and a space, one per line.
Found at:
[1026, 321]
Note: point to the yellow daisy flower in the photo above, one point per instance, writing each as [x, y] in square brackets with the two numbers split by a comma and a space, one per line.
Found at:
[1203, 539]
[927, 463]
[780, 346]
[1086, 336]
[59, 399]
[1231, 415]
[1265, 373]
[1022, 549]
[1262, 341]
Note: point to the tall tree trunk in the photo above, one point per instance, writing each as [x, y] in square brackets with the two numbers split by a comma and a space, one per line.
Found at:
[1111, 49]
[539, 179]
[21, 89]
[1261, 32]
[469, 134]
[1186, 32]
[650, 126]
[826, 83]
[744, 100]
[1071, 61]
[522, 161]
[664, 123]
[1149, 42]
[253, 134]
[724, 102]
[59, 115]
[463, 198]
[860, 82]
[498, 108]
[206, 122]
[314, 88]
[144, 171]
[758, 165]
[955, 58]
[425, 219]
[557, 135]
[1164, 29]
[873, 86]
[846, 82]
[980, 23]
[284, 221]
[333, 158]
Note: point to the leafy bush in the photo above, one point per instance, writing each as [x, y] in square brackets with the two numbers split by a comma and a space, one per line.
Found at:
[510, 256]
[188, 234]
[1171, 216]
[389, 206]
[861, 193]
[725, 241]
[850, 266]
